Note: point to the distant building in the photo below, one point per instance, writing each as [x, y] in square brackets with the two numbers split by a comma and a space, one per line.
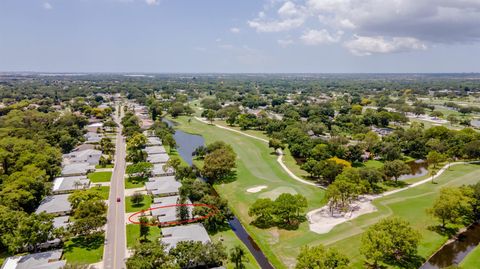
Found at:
[171, 236]
[57, 205]
[60, 222]
[42, 260]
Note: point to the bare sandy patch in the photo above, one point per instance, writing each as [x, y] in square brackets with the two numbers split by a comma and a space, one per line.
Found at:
[321, 221]
[256, 189]
[273, 194]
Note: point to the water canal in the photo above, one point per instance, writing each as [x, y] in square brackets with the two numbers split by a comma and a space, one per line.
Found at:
[187, 143]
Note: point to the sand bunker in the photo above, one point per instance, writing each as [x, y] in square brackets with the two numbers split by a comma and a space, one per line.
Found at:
[273, 194]
[256, 189]
[321, 221]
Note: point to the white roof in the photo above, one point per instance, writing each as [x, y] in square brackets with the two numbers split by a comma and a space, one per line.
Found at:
[155, 150]
[154, 141]
[61, 221]
[96, 124]
[55, 204]
[167, 214]
[158, 170]
[42, 260]
[91, 156]
[69, 183]
[158, 158]
[191, 232]
[77, 169]
[163, 186]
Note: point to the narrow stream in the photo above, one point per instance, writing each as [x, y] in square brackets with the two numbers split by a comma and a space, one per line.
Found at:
[187, 143]
[455, 252]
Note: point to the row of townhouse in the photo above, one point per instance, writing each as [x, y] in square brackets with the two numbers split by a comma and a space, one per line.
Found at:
[165, 191]
[75, 167]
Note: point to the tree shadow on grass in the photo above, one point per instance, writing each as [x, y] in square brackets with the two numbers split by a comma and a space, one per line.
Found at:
[91, 242]
[445, 231]
[231, 177]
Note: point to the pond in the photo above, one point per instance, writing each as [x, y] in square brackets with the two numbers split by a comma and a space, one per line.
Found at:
[187, 143]
[454, 252]
[419, 169]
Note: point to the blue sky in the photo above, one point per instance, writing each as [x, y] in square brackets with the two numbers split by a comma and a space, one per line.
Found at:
[240, 36]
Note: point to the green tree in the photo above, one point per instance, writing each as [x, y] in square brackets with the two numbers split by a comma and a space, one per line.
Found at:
[238, 256]
[144, 227]
[262, 210]
[395, 169]
[151, 255]
[452, 206]
[319, 257]
[137, 198]
[275, 144]
[140, 170]
[219, 164]
[435, 158]
[391, 241]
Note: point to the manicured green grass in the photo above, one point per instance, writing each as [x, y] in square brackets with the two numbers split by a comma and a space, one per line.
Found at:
[230, 240]
[104, 191]
[411, 205]
[373, 164]
[129, 207]
[133, 234]
[134, 183]
[98, 166]
[472, 261]
[256, 165]
[100, 176]
[80, 250]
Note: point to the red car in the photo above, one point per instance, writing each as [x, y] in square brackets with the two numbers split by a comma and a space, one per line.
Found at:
[118, 199]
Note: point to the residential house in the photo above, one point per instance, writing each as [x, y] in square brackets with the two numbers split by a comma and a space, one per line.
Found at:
[167, 186]
[70, 184]
[57, 205]
[164, 209]
[42, 260]
[171, 236]
[158, 158]
[158, 170]
[91, 156]
[77, 169]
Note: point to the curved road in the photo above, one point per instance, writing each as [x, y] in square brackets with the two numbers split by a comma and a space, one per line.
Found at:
[115, 243]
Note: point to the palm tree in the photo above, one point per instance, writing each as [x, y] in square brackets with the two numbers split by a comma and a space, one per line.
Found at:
[237, 256]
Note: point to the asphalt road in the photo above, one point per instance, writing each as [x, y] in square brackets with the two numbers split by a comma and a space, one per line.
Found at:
[115, 243]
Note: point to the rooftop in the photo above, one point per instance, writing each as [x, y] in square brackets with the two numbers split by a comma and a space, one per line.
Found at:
[66, 184]
[42, 260]
[191, 232]
[55, 204]
[158, 158]
[164, 186]
[74, 169]
[167, 214]
[155, 150]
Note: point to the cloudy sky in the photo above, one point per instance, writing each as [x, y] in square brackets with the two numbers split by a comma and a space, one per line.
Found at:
[318, 36]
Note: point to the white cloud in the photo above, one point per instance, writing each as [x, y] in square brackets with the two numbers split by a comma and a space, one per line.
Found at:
[47, 6]
[152, 2]
[364, 45]
[291, 17]
[317, 37]
[276, 26]
[426, 21]
[285, 42]
[235, 30]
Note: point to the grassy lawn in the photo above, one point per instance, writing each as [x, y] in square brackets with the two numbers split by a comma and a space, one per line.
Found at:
[256, 165]
[132, 183]
[98, 166]
[133, 234]
[100, 176]
[472, 260]
[81, 250]
[373, 164]
[103, 190]
[230, 240]
[410, 205]
[129, 207]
